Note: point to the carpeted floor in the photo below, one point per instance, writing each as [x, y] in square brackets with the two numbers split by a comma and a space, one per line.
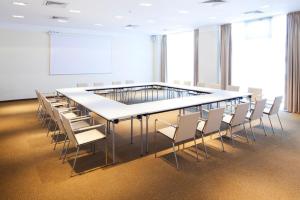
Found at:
[30, 169]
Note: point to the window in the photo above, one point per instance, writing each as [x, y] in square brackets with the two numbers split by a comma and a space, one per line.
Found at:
[258, 55]
[180, 57]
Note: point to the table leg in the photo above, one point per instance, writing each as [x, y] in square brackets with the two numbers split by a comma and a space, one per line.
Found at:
[113, 142]
[142, 146]
[131, 139]
[147, 131]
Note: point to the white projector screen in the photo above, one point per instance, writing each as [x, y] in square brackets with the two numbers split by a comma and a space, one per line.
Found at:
[79, 54]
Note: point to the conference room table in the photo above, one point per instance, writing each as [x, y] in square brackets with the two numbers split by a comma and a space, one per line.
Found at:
[114, 111]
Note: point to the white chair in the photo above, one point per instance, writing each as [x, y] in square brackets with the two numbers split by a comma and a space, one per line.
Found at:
[200, 84]
[83, 136]
[82, 85]
[178, 134]
[256, 93]
[233, 88]
[273, 110]
[116, 82]
[213, 85]
[177, 82]
[257, 113]
[187, 83]
[98, 84]
[129, 82]
[236, 119]
[211, 125]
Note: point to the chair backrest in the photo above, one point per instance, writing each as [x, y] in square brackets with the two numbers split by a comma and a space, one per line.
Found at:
[58, 120]
[116, 83]
[187, 83]
[276, 105]
[258, 111]
[214, 120]
[256, 93]
[233, 88]
[176, 82]
[98, 84]
[240, 113]
[129, 82]
[213, 85]
[187, 127]
[82, 85]
[39, 97]
[68, 128]
[200, 84]
[48, 106]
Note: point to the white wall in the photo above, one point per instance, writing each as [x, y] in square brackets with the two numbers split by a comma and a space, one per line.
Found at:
[209, 51]
[24, 63]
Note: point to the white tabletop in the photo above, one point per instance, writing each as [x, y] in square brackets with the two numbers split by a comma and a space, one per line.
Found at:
[114, 110]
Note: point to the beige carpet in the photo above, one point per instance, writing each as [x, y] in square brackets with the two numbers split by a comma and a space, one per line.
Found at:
[30, 169]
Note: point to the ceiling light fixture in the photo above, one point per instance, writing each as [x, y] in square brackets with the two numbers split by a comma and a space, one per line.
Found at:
[18, 16]
[62, 21]
[119, 17]
[17, 3]
[145, 4]
[74, 11]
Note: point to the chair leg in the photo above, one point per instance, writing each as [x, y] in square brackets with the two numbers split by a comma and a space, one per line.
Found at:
[280, 124]
[174, 151]
[221, 140]
[196, 148]
[252, 131]
[74, 163]
[231, 135]
[155, 135]
[262, 123]
[246, 133]
[271, 124]
[106, 152]
[66, 152]
[204, 145]
[62, 151]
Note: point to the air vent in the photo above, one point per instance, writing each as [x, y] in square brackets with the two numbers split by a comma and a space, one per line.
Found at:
[131, 26]
[214, 1]
[59, 18]
[253, 12]
[56, 4]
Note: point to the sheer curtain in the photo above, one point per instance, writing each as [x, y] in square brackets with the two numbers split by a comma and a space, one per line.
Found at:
[180, 57]
[258, 55]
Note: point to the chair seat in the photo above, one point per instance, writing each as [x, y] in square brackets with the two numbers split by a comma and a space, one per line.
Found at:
[267, 111]
[248, 115]
[89, 136]
[61, 103]
[70, 115]
[201, 125]
[79, 124]
[168, 131]
[227, 118]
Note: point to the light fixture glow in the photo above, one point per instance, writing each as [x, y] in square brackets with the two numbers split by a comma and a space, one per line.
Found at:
[145, 4]
[74, 11]
[62, 21]
[183, 11]
[18, 16]
[16, 3]
[119, 17]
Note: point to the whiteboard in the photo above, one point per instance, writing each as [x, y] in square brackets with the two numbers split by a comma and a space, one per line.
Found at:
[79, 54]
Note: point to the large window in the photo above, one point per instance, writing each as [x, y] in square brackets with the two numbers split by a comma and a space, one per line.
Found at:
[258, 55]
[180, 57]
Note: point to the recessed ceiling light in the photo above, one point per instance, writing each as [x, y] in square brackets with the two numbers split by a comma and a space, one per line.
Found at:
[212, 18]
[145, 4]
[17, 3]
[151, 21]
[18, 16]
[62, 20]
[100, 25]
[119, 17]
[74, 11]
[183, 11]
[265, 6]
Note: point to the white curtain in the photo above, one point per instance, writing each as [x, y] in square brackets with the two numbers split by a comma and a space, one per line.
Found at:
[225, 55]
[163, 66]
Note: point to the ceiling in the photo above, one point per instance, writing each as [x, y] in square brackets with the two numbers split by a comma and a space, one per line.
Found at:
[161, 17]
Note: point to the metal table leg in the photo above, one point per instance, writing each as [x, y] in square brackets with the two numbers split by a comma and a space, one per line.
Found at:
[147, 131]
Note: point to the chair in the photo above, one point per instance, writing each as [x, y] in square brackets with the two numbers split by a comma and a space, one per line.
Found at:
[273, 110]
[185, 130]
[98, 84]
[211, 125]
[257, 113]
[82, 85]
[256, 93]
[116, 82]
[177, 82]
[200, 84]
[236, 119]
[233, 88]
[83, 136]
[187, 83]
[213, 85]
[129, 82]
